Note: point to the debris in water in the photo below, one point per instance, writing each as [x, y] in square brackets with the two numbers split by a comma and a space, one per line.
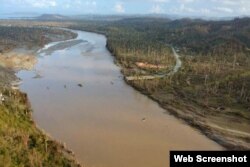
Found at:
[112, 83]
[37, 76]
[47, 88]
[144, 119]
[80, 85]
[65, 86]
[1, 98]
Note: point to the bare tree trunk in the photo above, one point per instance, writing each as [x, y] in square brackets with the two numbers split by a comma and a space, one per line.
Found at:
[235, 60]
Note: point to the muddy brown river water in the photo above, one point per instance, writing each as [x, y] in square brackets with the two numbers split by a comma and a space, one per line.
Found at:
[80, 98]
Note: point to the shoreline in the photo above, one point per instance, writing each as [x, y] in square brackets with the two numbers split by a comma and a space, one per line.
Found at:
[54, 127]
[210, 132]
[52, 146]
[18, 82]
[173, 111]
[203, 128]
[16, 102]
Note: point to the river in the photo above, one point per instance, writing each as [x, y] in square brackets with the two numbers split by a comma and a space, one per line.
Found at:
[79, 97]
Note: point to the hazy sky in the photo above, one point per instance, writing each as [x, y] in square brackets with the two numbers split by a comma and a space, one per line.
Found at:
[182, 7]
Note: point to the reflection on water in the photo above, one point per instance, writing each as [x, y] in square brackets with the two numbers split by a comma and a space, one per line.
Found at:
[105, 122]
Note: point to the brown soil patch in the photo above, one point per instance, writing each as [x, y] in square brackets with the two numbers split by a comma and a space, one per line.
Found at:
[18, 61]
[147, 65]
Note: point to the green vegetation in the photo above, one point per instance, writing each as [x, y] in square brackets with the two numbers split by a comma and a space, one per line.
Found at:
[212, 89]
[6, 75]
[21, 143]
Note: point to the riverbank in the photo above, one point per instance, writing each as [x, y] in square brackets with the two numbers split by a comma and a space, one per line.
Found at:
[22, 142]
[200, 117]
[204, 92]
[161, 89]
[189, 112]
[206, 107]
[168, 95]
[125, 129]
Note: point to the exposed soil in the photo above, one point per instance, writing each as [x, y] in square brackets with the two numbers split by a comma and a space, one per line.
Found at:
[18, 61]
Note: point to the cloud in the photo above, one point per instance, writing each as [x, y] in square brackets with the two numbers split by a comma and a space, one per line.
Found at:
[146, 1]
[42, 3]
[224, 9]
[91, 3]
[157, 9]
[89, 6]
[199, 7]
[119, 7]
[30, 3]
[215, 8]
[181, 7]
[186, 1]
[205, 11]
[160, 1]
[157, 6]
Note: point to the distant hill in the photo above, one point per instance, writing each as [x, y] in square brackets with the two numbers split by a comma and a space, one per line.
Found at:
[216, 37]
[195, 36]
[191, 36]
[52, 17]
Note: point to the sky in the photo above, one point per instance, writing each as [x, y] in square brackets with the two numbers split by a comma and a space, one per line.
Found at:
[208, 8]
